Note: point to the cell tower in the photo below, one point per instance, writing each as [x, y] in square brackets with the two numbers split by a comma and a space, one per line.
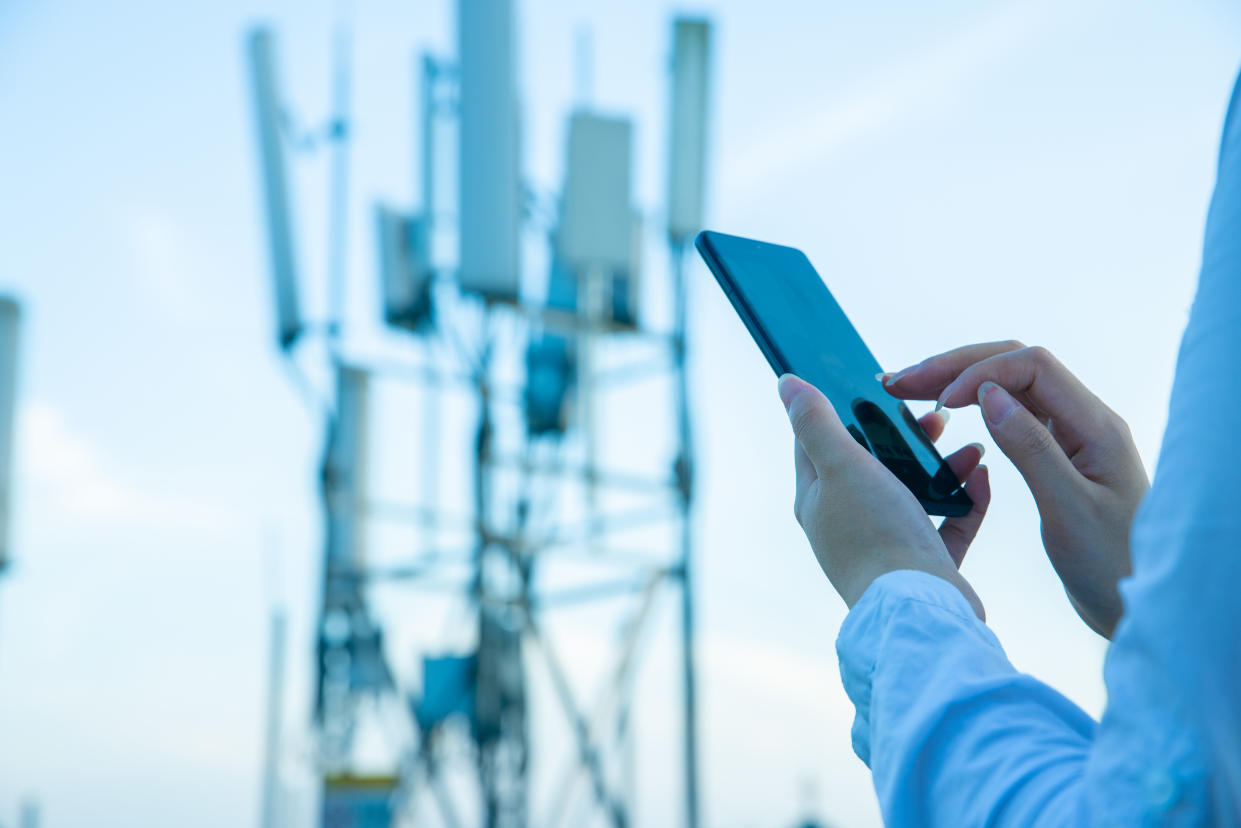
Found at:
[554, 520]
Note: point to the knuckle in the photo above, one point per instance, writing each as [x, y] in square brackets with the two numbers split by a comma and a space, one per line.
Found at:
[804, 504]
[1014, 345]
[1119, 433]
[1121, 425]
[1035, 440]
[951, 531]
[1041, 356]
[956, 534]
[801, 417]
[1125, 432]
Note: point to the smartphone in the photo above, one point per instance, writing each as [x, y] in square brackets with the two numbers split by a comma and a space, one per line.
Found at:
[802, 330]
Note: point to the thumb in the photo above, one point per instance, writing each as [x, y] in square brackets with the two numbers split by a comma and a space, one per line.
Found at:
[1027, 442]
[815, 424]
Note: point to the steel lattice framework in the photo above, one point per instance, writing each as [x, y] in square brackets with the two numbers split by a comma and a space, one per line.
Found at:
[552, 518]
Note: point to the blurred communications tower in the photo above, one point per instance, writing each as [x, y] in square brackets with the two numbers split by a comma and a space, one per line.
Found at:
[556, 518]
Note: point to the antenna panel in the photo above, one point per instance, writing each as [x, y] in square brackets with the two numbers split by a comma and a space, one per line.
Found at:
[596, 222]
[405, 269]
[267, 118]
[687, 158]
[10, 318]
[344, 469]
[490, 186]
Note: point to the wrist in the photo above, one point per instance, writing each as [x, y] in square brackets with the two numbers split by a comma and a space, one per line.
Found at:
[853, 586]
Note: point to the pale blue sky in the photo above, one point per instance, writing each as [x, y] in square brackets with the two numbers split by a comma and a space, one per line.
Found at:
[958, 171]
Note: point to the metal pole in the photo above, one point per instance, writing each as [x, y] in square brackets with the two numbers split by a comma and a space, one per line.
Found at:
[427, 156]
[275, 707]
[685, 480]
[431, 403]
[591, 309]
[29, 814]
[486, 694]
[338, 195]
[333, 711]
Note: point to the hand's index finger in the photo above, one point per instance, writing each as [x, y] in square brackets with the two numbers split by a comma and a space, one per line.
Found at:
[927, 379]
[1044, 387]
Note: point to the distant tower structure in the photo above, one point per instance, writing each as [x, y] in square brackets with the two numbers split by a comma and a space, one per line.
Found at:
[29, 815]
[351, 672]
[10, 321]
[554, 519]
[810, 806]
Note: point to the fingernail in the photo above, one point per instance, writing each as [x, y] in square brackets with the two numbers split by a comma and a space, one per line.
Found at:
[786, 387]
[939, 406]
[996, 403]
[945, 415]
[883, 377]
[981, 449]
[889, 378]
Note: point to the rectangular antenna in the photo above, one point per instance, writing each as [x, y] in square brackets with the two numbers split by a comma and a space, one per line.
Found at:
[596, 213]
[344, 472]
[691, 58]
[10, 318]
[490, 185]
[405, 268]
[268, 118]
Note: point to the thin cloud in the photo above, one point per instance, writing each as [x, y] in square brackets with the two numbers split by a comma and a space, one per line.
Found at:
[169, 267]
[87, 489]
[926, 83]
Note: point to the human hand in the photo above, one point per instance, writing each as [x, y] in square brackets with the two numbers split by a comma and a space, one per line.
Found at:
[860, 520]
[1075, 453]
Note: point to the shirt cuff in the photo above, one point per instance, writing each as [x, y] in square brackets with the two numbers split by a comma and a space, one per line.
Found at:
[862, 633]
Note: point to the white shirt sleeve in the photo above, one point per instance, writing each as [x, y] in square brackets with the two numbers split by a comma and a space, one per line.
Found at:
[954, 735]
[1172, 729]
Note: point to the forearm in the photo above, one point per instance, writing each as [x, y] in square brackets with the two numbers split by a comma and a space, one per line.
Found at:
[953, 734]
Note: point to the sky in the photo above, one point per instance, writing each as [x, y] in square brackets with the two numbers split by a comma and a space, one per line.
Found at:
[958, 172]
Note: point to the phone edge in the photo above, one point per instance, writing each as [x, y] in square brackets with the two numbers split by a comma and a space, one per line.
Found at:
[702, 243]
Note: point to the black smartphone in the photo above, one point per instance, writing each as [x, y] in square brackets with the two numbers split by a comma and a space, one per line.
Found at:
[801, 330]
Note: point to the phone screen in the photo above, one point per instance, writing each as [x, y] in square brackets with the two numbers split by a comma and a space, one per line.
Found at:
[802, 330]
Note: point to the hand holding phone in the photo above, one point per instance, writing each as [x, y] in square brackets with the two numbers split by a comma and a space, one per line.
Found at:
[860, 520]
[862, 489]
[802, 331]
